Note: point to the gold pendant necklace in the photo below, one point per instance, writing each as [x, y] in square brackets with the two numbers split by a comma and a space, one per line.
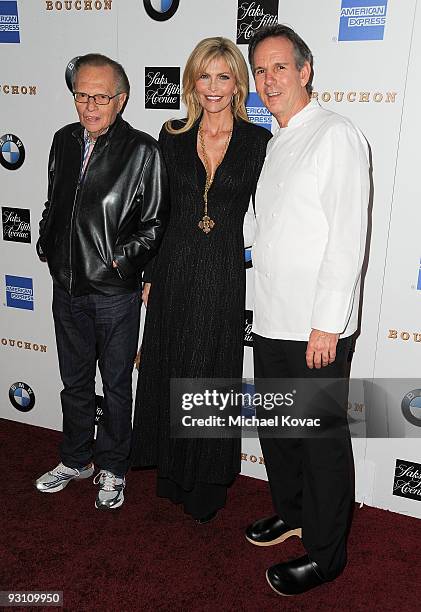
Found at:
[206, 223]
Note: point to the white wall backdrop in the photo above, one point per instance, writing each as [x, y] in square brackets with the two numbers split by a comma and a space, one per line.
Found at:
[373, 79]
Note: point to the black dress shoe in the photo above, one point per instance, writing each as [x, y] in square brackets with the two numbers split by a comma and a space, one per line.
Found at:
[294, 577]
[207, 519]
[270, 531]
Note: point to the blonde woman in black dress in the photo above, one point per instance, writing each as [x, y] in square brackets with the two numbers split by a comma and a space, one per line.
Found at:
[196, 287]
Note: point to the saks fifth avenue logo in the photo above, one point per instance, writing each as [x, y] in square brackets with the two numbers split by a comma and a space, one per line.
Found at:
[15, 90]
[407, 481]
[16, 224]
[406, 336]
[356, 96]
[248, 324]
[162, 87]
[255, 15]
[78, 5]
[99, 413]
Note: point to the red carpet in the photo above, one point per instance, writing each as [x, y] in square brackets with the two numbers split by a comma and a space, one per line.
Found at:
[150, 556]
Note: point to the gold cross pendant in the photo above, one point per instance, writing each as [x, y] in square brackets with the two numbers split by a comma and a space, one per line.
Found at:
[206, 224]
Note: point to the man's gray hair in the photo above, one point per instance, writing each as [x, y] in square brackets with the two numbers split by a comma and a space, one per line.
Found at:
[97, 60]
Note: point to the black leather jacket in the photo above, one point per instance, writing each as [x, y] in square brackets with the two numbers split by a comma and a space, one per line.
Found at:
[117, 212]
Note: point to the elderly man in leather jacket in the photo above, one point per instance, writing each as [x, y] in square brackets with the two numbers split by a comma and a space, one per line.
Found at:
[103, 221]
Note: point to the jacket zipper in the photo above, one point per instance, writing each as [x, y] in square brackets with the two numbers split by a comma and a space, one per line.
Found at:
[71, 237]
[81, 181]
[72, 219]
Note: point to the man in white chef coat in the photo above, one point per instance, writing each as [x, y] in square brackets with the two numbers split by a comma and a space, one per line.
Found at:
[311, 219]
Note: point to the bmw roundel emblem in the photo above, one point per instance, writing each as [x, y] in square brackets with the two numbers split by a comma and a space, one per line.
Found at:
[69, 72]
[411, 407]
[21, 396]
[161, 10]
[12, 152]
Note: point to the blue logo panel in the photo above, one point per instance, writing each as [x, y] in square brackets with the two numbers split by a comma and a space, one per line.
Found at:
[248, 409]
[362, 19]
[19, 292]
[9, 22]
[10, 152]
[257, 112]
[419, 278]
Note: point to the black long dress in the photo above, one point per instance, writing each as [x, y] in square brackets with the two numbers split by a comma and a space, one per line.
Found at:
[195, 317]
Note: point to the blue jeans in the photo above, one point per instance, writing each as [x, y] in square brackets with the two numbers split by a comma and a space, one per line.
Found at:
[93, 328]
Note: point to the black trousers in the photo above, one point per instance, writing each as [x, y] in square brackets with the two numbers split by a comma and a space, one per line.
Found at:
[311, 480]
[93, 328]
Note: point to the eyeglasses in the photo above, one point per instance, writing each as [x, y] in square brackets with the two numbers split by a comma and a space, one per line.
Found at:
[100, 99]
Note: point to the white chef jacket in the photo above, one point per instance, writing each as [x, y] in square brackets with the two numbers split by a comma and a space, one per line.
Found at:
[311, 223]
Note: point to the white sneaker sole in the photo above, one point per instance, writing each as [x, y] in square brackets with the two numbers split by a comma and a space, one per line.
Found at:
[99, 506]
[62, 485]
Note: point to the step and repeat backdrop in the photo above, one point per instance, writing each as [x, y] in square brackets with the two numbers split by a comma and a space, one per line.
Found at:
[367, 66]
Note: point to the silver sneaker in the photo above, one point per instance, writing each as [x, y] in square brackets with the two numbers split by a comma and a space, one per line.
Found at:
[111, 490]
[60, 476]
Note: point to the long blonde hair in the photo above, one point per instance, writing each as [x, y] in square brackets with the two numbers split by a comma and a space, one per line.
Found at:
[205, 51]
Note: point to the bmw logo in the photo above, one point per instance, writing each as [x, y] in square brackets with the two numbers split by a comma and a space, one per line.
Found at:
[69, 72]
[411, 407]
[161, 10]
[21, 397]
[12, 152]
